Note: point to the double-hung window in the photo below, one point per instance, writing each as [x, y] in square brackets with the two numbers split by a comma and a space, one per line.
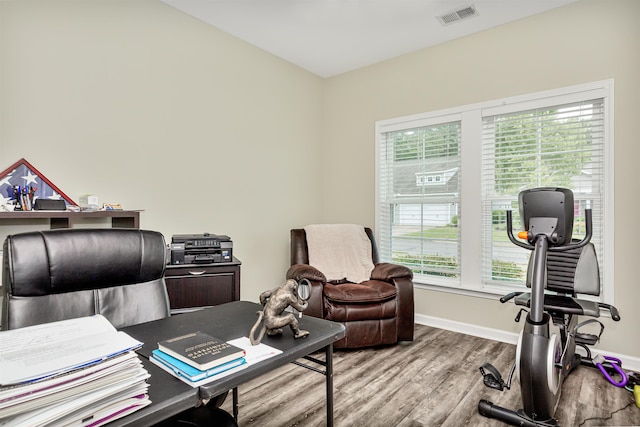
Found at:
[446, 179]
[419, 176]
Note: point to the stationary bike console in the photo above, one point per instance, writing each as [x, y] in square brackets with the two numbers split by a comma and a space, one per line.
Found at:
[561, 265]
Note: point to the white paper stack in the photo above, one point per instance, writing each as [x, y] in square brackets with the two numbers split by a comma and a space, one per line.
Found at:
[80, 372]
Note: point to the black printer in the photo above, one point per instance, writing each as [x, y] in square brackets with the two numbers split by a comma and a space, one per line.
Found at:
[201, 248]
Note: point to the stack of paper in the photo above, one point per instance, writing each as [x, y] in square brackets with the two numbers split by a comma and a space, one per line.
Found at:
[80, 372]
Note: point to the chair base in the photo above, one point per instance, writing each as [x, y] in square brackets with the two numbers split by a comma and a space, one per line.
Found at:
[206, 415]
[368, 333]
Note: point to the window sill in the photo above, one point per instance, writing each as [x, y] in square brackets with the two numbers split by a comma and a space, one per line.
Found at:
[475, 293]
[494, 294]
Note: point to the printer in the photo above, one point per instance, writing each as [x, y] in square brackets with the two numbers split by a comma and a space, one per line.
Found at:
[200, 249]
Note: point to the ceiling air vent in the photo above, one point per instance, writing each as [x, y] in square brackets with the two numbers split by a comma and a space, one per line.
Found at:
[458, 15]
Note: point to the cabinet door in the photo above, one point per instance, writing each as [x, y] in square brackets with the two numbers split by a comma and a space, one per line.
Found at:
[196, 291]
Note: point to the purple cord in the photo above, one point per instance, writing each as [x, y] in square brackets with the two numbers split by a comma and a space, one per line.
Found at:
[616, 366]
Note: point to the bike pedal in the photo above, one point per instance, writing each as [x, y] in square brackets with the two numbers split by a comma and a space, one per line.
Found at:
[588, 339]
[491, 382]
[491, 377]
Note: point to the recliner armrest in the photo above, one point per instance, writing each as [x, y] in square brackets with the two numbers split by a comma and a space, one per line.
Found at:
[317, 280]
[305, 271]
[386, 271]
[402, 278]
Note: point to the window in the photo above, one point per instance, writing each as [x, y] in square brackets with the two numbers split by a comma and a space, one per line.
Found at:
[420, 170]
[446, 178]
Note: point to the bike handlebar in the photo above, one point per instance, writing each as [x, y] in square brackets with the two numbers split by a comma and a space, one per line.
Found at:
[509, 296]
[529, 246]
[615, 314]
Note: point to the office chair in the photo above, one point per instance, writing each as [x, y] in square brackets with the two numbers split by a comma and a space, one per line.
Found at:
[55, 275]
[60, 274]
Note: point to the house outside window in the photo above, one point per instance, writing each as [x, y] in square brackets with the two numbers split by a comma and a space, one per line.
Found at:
[434, 178]
[445, 180]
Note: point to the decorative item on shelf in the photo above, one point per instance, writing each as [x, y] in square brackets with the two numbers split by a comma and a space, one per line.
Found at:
[111, 207]
[273, 317]
[21, 185]
[50, 205]
[88, 202]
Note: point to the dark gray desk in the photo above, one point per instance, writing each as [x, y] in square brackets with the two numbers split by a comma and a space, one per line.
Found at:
[227, 321]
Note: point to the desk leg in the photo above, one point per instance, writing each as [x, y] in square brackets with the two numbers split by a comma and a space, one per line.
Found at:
[235, 404]
[329, 373]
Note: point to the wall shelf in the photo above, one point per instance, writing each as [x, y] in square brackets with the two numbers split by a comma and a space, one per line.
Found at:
[65, 219]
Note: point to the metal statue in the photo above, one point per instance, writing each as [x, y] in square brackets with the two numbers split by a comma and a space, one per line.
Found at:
[273, 316]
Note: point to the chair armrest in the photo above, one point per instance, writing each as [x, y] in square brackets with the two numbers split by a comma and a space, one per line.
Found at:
[400, 277]
[317, 280]
[386, 272]
[305, 271]
[406, 308]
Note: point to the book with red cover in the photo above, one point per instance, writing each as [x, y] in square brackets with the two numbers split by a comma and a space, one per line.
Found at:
[200, 350]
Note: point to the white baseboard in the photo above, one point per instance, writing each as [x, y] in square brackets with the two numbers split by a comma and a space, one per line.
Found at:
[628, 362]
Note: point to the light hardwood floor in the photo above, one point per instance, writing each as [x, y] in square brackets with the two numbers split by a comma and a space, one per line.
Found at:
[432, 381]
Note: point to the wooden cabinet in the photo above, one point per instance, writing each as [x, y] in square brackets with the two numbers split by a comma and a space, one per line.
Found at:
[195, 286]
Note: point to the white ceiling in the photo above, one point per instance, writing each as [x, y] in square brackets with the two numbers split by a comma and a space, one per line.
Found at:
[329, 37]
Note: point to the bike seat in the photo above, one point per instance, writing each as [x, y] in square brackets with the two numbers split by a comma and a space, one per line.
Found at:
[562, 304]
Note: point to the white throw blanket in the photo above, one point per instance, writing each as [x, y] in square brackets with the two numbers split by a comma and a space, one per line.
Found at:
[340, 251]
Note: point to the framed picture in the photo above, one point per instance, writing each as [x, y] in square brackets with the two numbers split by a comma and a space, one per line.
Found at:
[22, 180]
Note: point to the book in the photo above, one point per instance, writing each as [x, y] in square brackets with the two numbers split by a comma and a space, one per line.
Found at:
[184, 370]
[200, 350]
[253, 355]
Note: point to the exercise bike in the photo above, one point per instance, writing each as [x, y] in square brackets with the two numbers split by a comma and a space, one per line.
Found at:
[567, 267]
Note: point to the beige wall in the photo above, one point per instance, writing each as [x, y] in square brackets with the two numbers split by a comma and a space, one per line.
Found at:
[144, 105]
[586, 41]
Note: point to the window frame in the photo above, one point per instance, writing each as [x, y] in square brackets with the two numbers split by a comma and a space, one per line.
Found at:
[470, 217]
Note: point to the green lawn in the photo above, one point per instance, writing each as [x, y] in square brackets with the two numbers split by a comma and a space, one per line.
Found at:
[450, 232]
[499, 232]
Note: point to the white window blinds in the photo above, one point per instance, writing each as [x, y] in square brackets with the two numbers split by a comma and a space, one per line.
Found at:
[555, 146]
[419, 198]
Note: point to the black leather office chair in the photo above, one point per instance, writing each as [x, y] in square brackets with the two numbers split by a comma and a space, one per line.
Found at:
[61, 274]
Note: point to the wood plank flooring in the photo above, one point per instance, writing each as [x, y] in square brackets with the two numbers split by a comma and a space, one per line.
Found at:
[432, 381]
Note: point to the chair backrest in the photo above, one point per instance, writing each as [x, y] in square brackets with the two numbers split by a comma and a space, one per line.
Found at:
[300, 250]
[60, 274]
[571, 272]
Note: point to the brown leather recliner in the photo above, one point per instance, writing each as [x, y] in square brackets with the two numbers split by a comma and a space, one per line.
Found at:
[378, 311]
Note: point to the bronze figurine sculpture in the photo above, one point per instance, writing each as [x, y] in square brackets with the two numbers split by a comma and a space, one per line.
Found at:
[273, 316]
